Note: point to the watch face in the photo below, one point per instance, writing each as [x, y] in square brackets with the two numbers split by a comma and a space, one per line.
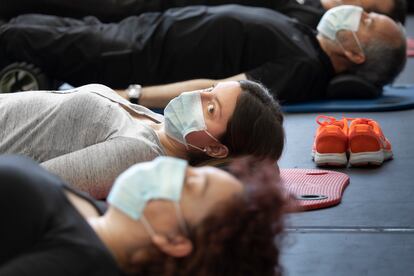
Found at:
[134, 91]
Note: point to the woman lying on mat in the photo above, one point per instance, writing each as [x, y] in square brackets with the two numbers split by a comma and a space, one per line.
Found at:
[90, 134]
[164, 218]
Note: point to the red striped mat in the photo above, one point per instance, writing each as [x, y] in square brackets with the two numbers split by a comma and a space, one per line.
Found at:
[314, 189]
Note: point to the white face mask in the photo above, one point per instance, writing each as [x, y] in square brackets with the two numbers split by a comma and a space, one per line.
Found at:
[183, 115]
[345, 17]
[162, 178]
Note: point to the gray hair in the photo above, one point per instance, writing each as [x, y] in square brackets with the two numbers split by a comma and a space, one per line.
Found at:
[383, 62]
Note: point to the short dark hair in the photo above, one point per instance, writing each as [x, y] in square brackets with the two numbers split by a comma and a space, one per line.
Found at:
[384, 62]
[256, 127]
[398, 11]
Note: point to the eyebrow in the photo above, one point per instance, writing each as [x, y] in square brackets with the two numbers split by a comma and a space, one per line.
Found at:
[219, 103]
[373, 21]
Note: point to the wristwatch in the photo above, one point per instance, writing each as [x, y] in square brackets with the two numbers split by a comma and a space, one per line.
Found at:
[134, 92]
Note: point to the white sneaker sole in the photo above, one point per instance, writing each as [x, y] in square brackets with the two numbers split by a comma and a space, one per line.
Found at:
[369, 158]
[330, 159]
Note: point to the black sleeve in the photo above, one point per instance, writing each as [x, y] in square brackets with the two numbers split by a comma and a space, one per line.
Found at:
[23, 210]
[291, 80]
[61, 261]
[34, 222]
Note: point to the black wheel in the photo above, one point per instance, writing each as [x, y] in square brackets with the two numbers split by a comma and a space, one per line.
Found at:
[22, 76]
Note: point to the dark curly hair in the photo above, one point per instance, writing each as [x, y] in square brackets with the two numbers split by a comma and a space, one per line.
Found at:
[241, 237]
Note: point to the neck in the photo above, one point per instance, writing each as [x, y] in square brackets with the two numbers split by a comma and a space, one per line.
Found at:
[121, 239]
[172, 147]
[111, 240]
[338, 60]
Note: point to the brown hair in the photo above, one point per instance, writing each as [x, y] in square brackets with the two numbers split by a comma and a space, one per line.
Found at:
[240, 237]
[255, 128]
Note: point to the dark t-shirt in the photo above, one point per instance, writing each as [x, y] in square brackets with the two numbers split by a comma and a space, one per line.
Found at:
[177, 45]
[219, 42]
[306, 11]
[41, 232]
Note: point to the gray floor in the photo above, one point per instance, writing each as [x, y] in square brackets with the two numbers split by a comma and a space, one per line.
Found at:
[372, 231]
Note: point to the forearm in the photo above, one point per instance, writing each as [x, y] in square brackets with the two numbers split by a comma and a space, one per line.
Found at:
[160, 95]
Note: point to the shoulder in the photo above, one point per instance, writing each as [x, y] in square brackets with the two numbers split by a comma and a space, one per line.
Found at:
[143, 147]
[24, 176]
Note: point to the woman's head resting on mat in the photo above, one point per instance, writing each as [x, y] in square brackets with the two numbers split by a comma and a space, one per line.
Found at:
[396, 9]
[230, 119]
[167, 218]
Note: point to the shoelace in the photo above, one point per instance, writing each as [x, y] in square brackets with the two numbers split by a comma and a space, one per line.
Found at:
[360, 120]
[327, 120]
[324, 120]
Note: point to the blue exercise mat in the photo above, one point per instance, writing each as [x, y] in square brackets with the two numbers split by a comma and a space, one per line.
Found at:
[399, 97]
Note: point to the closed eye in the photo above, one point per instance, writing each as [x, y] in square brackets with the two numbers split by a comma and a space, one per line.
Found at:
[210, 89]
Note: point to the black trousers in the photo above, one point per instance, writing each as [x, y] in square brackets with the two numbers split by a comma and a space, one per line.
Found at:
[111, 10]
[77, 51]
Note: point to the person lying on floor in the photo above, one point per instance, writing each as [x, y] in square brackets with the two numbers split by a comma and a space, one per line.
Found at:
[90, 134]
[308, 12]
[206, 44]
[163, 218]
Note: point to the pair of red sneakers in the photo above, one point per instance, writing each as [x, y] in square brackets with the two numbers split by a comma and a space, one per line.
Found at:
[362, 141]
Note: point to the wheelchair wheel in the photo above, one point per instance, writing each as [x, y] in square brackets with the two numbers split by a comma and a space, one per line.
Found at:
[22, 76]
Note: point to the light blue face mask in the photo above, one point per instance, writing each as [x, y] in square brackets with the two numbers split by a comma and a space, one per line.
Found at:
[345, 17]
[162, 178]
[183, 115]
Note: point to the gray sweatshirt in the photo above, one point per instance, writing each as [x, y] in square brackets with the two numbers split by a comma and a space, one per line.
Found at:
[86, 136]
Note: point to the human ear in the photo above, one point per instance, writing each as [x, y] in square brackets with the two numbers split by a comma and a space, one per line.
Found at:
[217, 151]
[178, 246]
[355, 57]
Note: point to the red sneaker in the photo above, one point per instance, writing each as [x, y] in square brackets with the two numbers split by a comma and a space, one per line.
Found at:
[331, 142]
[367, 143]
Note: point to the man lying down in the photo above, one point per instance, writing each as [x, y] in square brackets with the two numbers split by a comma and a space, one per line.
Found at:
[308, 12]
[194, 47]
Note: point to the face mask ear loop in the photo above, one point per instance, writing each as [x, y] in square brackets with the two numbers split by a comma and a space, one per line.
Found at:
[358, 42]
[340, 44]
[205, 150]
[148, 226]
[181, 221]
[200, 149]
[212, 137]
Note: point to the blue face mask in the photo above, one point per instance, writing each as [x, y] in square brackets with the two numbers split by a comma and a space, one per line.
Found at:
[345, 17]
[162, 178]
[183, 115]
